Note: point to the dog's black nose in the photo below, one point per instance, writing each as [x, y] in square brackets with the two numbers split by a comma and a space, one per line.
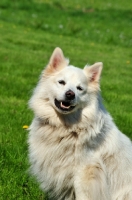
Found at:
[70, 95]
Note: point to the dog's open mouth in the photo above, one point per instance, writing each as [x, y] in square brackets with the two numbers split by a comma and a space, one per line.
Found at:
[64, 105]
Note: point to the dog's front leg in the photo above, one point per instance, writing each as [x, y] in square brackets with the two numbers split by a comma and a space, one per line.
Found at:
[91, 183]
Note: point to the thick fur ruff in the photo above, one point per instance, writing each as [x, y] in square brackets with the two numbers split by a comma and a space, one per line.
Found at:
[75, 149]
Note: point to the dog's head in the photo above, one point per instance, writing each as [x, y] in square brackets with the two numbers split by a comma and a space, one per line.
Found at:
[68, 88]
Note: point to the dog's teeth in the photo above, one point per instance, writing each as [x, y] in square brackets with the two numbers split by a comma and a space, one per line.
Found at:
[62, 106]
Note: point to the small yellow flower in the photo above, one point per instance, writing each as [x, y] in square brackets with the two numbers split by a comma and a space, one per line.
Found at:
[128, 61]
[25, 126]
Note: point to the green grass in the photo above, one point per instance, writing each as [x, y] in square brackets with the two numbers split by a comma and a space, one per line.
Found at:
[29, 31]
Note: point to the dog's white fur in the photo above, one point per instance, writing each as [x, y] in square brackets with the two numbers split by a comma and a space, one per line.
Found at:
[78, 154]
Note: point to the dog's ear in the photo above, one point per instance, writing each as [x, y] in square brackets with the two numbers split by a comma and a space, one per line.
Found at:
[93, 73]
[57, 61]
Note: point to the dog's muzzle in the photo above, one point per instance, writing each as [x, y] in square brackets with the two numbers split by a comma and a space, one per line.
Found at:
[67, 104]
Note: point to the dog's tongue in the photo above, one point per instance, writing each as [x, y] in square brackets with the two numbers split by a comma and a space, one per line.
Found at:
[64, 105]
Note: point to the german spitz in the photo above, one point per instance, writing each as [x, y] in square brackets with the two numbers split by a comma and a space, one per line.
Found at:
[76, 151]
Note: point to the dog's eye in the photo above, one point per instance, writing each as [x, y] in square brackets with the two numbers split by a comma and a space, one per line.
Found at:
[79, 88]
[62, 82]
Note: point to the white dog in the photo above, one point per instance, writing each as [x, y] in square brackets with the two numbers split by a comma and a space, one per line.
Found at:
[75, 149]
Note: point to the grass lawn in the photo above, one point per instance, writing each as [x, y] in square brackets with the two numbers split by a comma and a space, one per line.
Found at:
[29, 32]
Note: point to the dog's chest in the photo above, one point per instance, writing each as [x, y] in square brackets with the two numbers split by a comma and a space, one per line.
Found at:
[61, 152]
[56, 155]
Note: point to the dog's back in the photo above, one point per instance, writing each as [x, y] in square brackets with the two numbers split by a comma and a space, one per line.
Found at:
[75, 150]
